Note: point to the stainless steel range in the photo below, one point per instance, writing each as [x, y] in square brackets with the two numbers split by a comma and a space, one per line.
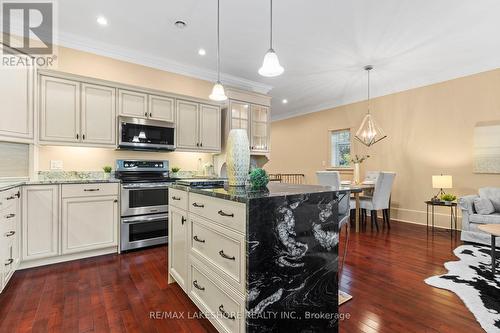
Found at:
[144, 202]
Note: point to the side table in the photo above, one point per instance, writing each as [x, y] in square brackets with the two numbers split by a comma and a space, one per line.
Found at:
[453, 211]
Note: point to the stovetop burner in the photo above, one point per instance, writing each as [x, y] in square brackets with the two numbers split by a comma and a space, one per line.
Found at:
[135, 171]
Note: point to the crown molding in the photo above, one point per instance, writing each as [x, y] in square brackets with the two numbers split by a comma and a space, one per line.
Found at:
[119, 53]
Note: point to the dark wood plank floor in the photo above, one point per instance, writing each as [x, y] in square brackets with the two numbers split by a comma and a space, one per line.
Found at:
[384, 272]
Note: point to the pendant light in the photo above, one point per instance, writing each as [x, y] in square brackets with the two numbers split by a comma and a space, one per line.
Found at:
[218, 93]
[369, 132]
[271, 65]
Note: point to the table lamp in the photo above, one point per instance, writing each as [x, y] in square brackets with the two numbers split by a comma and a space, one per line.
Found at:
[441, 182]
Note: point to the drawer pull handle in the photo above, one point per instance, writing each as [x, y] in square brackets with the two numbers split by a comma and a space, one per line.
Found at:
[183, 219]
[176, 198]
[224, 313]
[197, 286]
[91, 189]
[10, 261]
[198, 240]
[9, 216]
[10, 233]
[197, 205]
[222, 213]
[225, 256]
[12, 197]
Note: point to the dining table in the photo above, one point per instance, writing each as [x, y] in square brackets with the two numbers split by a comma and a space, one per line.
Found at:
[356, 190]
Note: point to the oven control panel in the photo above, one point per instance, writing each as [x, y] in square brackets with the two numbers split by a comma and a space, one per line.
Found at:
[141, 165]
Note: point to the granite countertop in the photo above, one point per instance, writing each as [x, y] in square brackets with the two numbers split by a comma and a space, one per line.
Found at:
[244, 194]
[47, 178]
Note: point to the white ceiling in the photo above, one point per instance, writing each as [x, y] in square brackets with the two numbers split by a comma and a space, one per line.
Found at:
[323, 44]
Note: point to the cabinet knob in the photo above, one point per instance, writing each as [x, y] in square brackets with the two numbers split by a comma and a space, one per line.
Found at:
[10, 261]
[222, 213]
[201, 144]
[83, 136]
[9, 216]
[183, 219]
[197, 286]
[197, 205]
[10, 233]
[225, 314]
[225, 256]
[77, 136]
[198, 240]
[146, 114]
[150, 114]
[116, 200]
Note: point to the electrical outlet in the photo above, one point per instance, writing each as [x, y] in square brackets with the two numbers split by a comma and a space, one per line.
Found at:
[56, 165]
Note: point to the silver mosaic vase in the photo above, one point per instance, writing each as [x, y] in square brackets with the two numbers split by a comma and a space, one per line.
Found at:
[238, 157]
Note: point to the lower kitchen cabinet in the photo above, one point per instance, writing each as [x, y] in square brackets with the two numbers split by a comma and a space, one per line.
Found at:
[9, 235]
[89, 223]
[177, 253]
[40, 221]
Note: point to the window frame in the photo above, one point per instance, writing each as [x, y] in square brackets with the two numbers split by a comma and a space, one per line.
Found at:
[330, 149]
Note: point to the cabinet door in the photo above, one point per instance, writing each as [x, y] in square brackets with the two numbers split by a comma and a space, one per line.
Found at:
[89, 223]
[177, 245]
[59, 110]
[210, 128]
[16, 94]
[132, 104]
[161, 108]
[187, 125]
[239, 116]
[40, 221]
[260, 128]
[98, 114]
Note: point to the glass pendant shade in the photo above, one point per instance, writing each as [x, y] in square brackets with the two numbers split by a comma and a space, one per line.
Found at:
[218, 94]
[370, 132]
[271, 65]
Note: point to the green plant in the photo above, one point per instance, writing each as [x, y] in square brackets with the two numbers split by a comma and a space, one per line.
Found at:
[359, 159]
[107, 169]
[448, 197]
[259, 178]
[175, 169]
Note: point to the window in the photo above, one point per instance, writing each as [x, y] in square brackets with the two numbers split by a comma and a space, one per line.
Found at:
[340, 148]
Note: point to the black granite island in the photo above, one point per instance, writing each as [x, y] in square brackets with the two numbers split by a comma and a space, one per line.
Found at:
[290, 258]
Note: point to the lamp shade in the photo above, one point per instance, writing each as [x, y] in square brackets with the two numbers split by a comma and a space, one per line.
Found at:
[442, 181]
[218, 93]
[271, 65]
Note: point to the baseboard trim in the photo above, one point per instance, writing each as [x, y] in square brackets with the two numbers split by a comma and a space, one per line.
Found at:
[67, 257]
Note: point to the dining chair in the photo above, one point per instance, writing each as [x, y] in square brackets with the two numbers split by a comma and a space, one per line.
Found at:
[332, 178]
[380, 200]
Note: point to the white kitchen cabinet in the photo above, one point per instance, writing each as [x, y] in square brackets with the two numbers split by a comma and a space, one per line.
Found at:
[260, 124]
[98, 114]
[161, 108]
[187, 125]
[17, 96]
[132, 104]
[239, 116]
[59, 110]
[210, 127]
[177, 248]
[198, 127]
[40, 221]
[9, 234]
[89, 223]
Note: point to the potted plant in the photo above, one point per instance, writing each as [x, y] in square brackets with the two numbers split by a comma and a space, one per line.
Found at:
[174, 171]
[448, 198]
[107, 171]
[357, 160]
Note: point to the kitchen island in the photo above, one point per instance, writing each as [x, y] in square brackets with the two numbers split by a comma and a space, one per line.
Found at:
[258, 261]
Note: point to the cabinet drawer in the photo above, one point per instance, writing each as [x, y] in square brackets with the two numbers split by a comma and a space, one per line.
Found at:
[177, 198]
[221, 249]
[9, 198]
[226, 310]
[86, 190]
[228, 213]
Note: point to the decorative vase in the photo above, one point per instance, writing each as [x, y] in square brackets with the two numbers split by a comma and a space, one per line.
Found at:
[356, 174]
[238, 157]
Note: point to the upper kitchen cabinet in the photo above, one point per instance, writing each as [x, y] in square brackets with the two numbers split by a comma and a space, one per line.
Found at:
[59, 110]
[198, 127]
[77, 113]
[132, 104]
[17, 96]
[252, 112]
[161, 108]
[98, 114]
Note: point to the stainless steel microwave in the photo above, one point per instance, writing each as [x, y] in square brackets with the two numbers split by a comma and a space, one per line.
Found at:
[145, 134]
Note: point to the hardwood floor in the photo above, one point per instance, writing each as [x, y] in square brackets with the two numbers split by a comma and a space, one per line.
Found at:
[384, 272]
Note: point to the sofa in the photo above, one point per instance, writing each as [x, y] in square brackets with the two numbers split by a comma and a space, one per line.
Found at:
[475, 214]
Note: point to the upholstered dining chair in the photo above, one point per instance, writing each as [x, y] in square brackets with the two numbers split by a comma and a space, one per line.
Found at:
[380, 200]
[332, 178]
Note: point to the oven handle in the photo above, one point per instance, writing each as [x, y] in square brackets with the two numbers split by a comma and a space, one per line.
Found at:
[145, 219]
[144, 187]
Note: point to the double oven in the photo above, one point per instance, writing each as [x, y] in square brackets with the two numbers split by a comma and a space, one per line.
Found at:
[144, 202]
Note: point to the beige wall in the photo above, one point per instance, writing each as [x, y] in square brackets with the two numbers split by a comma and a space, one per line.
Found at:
[95, 66]
[430, 131]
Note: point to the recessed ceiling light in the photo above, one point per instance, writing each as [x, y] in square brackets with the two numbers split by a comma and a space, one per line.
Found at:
[284, 101]
[102, 20]
[202, 52]
[180, 24]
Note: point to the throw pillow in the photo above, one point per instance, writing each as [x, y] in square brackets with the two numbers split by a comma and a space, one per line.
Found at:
[483, 206]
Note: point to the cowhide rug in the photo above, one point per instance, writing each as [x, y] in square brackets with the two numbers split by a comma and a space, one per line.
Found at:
[470, 278]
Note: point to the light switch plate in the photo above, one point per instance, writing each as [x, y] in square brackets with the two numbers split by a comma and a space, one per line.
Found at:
[56, 165]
